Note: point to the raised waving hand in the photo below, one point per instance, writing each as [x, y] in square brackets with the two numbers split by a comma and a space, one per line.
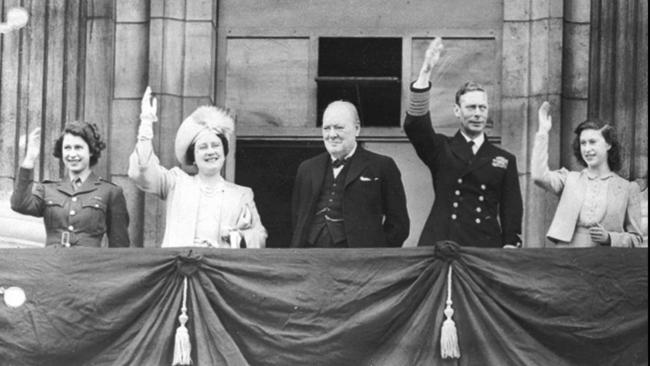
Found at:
[431, 58]
[148, 109]
[544, 117]
[33, 148]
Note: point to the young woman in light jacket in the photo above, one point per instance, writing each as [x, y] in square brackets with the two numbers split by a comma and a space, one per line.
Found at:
[203, 210]
[597, 206]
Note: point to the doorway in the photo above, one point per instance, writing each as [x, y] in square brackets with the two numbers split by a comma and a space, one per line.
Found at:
[269, 169]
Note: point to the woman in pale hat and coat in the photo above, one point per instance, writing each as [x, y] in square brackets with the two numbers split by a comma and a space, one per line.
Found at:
[203, 210]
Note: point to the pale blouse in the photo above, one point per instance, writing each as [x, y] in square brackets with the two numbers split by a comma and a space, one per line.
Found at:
[207, 233]
[595, 203]
[644, 216]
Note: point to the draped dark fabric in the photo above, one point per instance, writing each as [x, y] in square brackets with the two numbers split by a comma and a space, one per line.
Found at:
[326, 306]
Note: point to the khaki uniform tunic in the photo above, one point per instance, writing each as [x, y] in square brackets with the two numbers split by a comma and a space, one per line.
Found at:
[72, 217]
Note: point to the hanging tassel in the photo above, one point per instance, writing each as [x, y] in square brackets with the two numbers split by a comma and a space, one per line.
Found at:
[182, 344]
[449, 336]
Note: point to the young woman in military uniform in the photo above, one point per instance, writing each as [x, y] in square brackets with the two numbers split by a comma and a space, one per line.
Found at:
[79, 210]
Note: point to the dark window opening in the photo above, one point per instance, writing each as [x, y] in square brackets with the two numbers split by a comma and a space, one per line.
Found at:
[364, 71]
[277, 162]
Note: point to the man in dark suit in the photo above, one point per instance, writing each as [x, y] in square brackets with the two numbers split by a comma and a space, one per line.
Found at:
[477, 195]
[348, 196]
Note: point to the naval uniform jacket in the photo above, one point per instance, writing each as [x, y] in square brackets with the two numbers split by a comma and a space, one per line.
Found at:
[374, 202]
[477, 197]
[74, 218]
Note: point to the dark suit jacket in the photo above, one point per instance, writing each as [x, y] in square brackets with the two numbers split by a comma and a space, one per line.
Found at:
[477, 197]
[374, 203]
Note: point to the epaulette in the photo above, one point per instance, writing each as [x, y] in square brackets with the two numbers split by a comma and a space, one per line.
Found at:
[107, 181]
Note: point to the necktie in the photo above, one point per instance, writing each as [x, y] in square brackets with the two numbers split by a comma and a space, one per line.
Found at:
[470, 144]
[339, 162]
[76, 184]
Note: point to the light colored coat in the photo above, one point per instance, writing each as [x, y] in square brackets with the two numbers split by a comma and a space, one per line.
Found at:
[182, 193]
[622, 215]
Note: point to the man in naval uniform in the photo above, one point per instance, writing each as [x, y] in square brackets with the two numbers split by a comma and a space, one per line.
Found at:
[477, 195]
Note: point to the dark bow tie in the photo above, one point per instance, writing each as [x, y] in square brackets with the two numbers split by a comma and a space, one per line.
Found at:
[339, 163]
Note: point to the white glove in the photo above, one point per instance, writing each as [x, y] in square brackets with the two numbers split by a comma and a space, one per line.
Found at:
[148, 116]
[245, 220]
[544, 118]
[33, 149]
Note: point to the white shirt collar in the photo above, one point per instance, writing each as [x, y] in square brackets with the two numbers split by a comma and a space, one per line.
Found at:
[478, 141]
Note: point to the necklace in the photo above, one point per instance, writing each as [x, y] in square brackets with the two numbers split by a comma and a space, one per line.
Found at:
[208, 190]
[210, 187]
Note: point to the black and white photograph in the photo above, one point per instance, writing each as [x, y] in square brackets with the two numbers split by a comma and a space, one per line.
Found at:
[323, 183]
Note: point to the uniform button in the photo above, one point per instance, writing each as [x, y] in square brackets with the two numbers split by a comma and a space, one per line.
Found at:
[49, 202]
[73, 212]
[478, 221]
[74, 199]
[460, 180]
[97, 205]
[483, 186]
[330, 200]
[455, 204]
[478, 209]
[70, 228]
[453, 216]
[457, 193]
[481, 198]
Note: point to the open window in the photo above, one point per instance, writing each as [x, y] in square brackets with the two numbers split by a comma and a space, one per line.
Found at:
[364, 71]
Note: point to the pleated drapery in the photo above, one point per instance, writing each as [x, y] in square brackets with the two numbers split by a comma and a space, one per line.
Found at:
[326, 307]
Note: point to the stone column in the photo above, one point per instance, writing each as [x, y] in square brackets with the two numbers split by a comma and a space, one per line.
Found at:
[575, 67]
[130, 80]
[531, 73]
[182, 68]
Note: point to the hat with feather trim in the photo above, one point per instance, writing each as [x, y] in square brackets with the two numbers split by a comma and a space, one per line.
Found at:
[204, 118]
